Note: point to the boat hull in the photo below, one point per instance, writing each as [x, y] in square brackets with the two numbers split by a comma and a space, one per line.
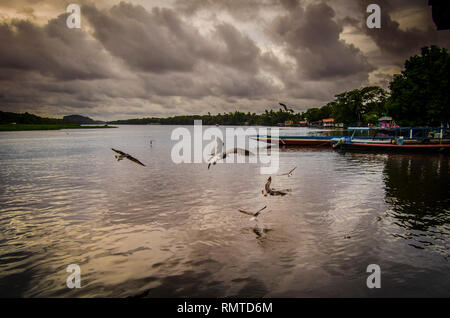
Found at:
[352, 146]
[299, 141]
[313, 141]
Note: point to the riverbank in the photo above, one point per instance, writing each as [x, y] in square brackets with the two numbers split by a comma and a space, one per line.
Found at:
[24, 127]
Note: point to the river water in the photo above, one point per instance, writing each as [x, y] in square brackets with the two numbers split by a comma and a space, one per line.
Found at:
[174, 230]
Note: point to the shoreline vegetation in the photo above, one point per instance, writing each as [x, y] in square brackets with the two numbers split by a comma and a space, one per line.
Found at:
[25, 127]
[26, 121]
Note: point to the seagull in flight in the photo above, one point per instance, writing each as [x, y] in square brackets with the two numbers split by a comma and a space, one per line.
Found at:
[222, 155]
[269, 190]
[286, 109]
[122, 155]
[253, 214]
[289, 174]
[218, 148]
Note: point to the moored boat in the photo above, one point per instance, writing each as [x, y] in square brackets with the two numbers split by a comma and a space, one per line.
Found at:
[318, 141]
[406, 139]
[385, 147]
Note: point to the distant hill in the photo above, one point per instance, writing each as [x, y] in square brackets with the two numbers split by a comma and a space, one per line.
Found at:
[78, 119]
[27, 118]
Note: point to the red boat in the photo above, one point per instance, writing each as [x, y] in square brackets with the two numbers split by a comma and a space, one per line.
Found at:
[379, 147]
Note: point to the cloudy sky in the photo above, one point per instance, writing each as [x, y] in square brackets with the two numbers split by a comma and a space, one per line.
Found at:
[141, 58]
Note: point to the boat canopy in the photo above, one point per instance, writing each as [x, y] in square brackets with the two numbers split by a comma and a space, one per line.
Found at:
[358, 128]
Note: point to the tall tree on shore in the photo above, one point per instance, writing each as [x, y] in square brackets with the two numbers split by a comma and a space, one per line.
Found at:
[420, 94]
[359, 106]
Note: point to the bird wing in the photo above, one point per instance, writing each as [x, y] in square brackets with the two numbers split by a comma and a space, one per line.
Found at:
[267, 187]
[135, 160]
[119, 152]
[287, 173]
[259, 211]
[215, 158]
[292, 170]
[223, 155]
[240, 151]
[219, 145]
[277, 192]
[246, 212]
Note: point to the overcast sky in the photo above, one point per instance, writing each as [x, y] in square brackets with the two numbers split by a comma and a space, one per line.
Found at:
[145, 58]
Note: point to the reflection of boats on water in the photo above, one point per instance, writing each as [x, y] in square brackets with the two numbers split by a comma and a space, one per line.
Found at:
[401, 139]
[417, 187]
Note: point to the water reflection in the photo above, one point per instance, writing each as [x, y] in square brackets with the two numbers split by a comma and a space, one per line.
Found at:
[175, 230]
[418, 191]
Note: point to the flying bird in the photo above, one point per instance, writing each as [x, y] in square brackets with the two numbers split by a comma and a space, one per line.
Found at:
[122, 155]
[289, 174]
[218, 148]
[269, 190]
[253, 214]
[286, 109]
[220, 156]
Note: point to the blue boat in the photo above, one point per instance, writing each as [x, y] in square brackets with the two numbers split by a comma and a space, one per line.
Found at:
[316, 141]
[403, 139]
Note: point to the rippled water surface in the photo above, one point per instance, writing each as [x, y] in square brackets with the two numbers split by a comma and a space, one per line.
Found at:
[168, 230]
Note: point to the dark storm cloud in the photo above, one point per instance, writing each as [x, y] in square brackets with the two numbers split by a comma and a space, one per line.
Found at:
[154, 41]
[197, 56]
[160, 41]
[166, 57]
[290, 4]
[240, 9]
[312, 38]
[52, 50]
[241, 51]
[401, 42]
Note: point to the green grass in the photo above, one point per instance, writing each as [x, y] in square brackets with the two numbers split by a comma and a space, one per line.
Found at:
[21, 127]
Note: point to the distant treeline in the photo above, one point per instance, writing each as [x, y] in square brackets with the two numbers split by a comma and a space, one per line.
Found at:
[363, 105]
[26, 118]
[268, 118]
[30, 119]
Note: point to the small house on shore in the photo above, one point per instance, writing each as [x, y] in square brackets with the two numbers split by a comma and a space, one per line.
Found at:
[328, 123]
[386, 122]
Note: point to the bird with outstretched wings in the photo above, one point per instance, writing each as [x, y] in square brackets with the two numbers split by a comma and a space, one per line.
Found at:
[268, 189]
[288, 173]
[122, 155]
[220, 156]
[286, 109]
[253, 214]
